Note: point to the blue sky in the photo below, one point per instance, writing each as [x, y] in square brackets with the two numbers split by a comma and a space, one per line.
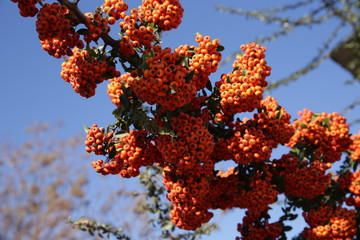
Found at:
[32, 89]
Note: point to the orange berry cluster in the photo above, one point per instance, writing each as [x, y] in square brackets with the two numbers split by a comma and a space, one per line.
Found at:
[203, 59]
[350, 182]
[242, 89]
[55, 30]
[327, 133]
[249, 144]
[354, 148]
[133, 151]
[27, 8]
[274, 121]
[254, 139]
[96, 140]
[187, 166]
[167, 14]
[114, 8]
[304, 180]
[138, 33]
[192, 146]
[115, 88]
[96, 26]
[187, 191]
[84, 72]
[163, 82]
[328, 223]
[253, 228]
[230, 190]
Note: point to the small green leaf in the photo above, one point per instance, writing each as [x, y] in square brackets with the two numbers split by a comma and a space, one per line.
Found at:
[220, 48]
[189, 76]
[86, 128]
[303, 125]
[83, 31]
[171, 90]
[209, 86]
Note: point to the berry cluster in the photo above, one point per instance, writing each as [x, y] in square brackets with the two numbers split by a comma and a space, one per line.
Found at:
[187, 165]
[166, 14]
[131, 152]
[96, 140]
[327, 135]
[350, 182]
[84, 72]
[55, 31]
[138, 33]
[27, 8]
[114, 8]
[328, 223]
[274, 121]
[253, 227]
[96, 25]
[163, 82]
[249, 144]
[354, 148]
[231, 190]
[192, 146]
[242, 89]
[203, 59]
[303, 179]
[115, 88]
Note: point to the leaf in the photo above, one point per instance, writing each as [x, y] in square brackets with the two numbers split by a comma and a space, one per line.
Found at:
[326, 123]
[86, 128]
[303, 125]
[287, 228]
[209, 86]
[279, 115]
[220, 48]
[189, 76]
[171, 90]
[83, 31]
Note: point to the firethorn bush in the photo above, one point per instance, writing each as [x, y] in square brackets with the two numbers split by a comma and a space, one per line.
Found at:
[171, 121]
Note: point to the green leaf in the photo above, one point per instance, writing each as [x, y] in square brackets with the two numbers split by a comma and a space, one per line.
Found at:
[209, 86]
[83, 31]
[287, 228]
[171, 90]
[326, 123]
[303, 125]
[220, 48]
[86, 128]
[279, 115]
[189, 76]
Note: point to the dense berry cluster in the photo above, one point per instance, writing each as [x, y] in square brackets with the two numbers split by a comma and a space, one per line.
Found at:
[354, 148]
[96, 140]
[192, 146]
[328, 223]
[326, 134]
[84, 72]
[131, 152]
[115, 88]
[138, 33]
[274, 121]
[163, 82]
[55, 31]
[203, 59]
[303, 179]
[96, 25]
[249, 144]
[166, 14]
[242, 89]
[186, 168]
[27, 8]
[114, 8]
[253, 228]
[231, 190]
[350, 182]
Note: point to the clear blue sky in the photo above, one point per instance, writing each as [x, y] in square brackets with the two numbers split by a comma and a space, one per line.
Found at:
[32, 89]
